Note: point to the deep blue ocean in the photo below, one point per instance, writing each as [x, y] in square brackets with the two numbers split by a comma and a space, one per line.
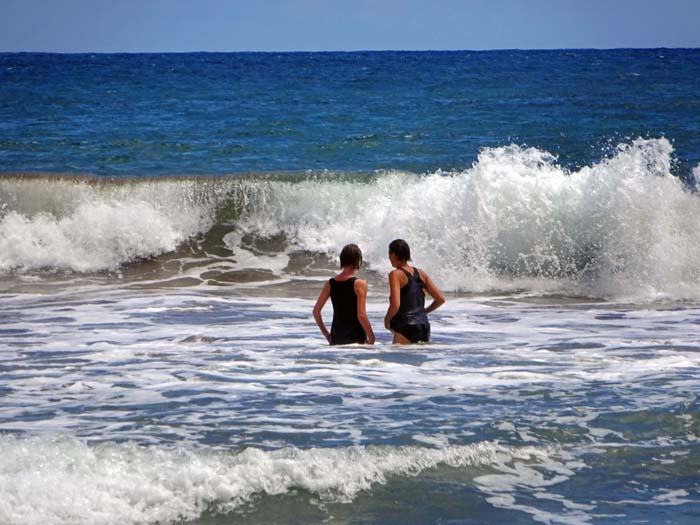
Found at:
[168, 220]
[214, 113]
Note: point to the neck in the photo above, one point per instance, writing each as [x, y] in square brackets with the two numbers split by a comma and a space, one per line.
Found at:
[348, 270]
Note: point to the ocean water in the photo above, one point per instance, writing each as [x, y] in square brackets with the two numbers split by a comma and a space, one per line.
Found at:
[167, 221]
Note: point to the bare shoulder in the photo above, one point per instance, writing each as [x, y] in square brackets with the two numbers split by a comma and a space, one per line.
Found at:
[360, 284]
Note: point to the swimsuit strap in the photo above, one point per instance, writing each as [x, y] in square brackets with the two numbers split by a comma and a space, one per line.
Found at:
[408, 274]
[416, 276]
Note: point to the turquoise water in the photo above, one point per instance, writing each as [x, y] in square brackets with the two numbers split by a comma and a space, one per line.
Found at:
[167, 221]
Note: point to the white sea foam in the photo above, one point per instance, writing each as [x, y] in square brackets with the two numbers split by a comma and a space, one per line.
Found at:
[75, 225]
[224, 377]
[199, 359]
[66, 481]
[623, 228]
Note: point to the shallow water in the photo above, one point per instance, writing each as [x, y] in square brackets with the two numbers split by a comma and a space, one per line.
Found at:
[153, 405]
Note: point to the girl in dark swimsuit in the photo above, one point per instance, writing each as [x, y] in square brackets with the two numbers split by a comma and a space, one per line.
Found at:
[349, 297]
[407, 316]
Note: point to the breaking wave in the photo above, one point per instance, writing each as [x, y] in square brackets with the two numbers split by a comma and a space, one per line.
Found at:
[625, 227]
[65, 480]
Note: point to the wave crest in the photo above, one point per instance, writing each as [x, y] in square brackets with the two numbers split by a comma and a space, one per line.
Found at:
[87, 225]
[64, 480]
[515, 220]
[623, 228]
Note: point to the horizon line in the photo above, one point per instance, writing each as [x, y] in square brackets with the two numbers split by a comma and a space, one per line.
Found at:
[288, 51]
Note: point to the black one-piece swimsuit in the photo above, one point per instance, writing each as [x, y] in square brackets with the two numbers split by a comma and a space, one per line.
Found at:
[411, 321]
[346, 327]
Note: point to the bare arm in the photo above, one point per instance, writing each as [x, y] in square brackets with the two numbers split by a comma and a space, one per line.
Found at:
[433, 291]
[361, 292]
[394, 297]
[320, 303]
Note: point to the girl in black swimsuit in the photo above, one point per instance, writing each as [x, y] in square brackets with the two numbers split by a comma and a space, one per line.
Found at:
[407, 316]
[349, 297]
